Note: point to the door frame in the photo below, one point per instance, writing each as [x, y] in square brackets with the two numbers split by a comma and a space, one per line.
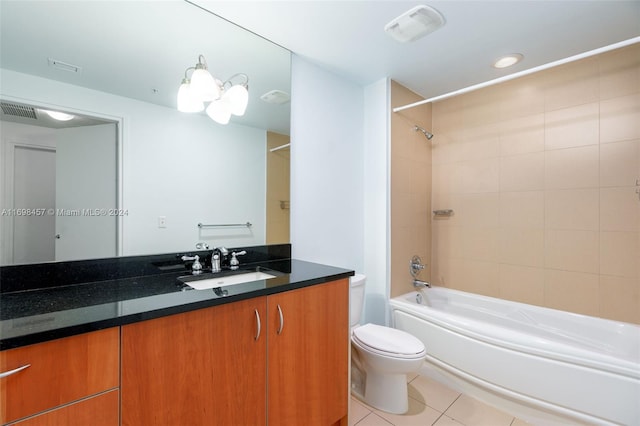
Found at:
[120, 136]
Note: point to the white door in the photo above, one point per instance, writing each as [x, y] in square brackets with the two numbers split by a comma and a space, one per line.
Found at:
[34, 185]
[86, 192]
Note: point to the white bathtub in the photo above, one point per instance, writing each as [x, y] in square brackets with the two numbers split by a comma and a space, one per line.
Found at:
[542, 365]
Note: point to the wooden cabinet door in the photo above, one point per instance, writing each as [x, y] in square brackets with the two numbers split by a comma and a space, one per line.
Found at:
[204, 367]
[308, 355]
[61, 371]
[100, 410]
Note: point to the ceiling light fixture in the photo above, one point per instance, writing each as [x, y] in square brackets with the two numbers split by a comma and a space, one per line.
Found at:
[508, 60]
[414, 24]
[225, 99]
[60, 116]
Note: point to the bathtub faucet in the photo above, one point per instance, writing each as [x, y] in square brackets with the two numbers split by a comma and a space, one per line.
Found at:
[421, 284]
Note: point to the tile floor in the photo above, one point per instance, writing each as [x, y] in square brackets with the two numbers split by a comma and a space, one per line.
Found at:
[431, 403]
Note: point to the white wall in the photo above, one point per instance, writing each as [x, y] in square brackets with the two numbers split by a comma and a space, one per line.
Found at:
[327, 167]
[173, 166]
[376, 201]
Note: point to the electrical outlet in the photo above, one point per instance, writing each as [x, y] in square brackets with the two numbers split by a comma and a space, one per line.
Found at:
[162, 221]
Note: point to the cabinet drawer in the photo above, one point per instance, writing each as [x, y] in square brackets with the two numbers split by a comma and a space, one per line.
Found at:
[60, 371]
[100, 410]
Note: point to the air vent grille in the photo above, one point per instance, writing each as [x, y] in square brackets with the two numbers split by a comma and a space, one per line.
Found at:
[18, 110]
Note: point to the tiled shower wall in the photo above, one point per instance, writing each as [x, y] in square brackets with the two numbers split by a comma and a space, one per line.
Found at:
[541, 173]
[410, 188]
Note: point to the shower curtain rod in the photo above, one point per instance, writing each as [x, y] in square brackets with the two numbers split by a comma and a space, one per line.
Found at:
[522, 73]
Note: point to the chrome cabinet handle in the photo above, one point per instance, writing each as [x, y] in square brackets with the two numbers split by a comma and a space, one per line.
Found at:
[17, 370]
[259, 326]
[281, 320]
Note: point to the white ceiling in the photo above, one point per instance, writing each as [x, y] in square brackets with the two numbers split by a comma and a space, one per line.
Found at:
[347, 37]
[140, 49]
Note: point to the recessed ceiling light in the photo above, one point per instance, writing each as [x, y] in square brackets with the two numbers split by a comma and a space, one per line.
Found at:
[414, 23]
[508, 60]
[60, 116]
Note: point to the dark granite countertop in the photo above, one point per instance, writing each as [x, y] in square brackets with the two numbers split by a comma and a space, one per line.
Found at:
[80, 301]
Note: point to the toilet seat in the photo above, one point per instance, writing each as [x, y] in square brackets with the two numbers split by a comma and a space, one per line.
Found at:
[388, 342]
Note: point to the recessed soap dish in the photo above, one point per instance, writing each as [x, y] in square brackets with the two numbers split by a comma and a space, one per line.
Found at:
[445, 212]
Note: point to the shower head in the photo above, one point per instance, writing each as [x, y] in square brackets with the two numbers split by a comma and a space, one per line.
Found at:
[427, 134]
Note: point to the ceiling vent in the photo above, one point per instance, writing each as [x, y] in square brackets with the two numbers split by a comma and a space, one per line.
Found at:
[18, 110]
[277, 97]
[414, 24]
[64, 66]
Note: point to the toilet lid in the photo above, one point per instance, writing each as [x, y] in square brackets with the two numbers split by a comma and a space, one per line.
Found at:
[389, 340]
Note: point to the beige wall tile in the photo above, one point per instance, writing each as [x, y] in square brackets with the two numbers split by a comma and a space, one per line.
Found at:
[619, 209]
[620, 298]
[522, 135]
[479, 210]
[572, 250]
[575, 83]
[481, 106]
[572, 291]
[411, 180]
[476, 148]
[571, 127]
[420, 178]
[620, 72]
[481, 244]
[448, 241]
[620, 163]
[522, 284]
[450, 273]
[523, 97]
[619, 254]
[522, 172]
[572, 209]
[620, 118]
[522, 209]
[524, 247]
[480, 277]
[401, 175]
[563, 173]
[475, 176]
[572, 168]
[441, 179]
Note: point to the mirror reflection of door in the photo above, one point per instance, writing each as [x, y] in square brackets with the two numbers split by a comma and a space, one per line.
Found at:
[34, 187]
[61, 182]
[86, 192]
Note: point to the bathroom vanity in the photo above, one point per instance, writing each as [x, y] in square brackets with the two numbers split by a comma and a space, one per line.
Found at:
[140, 348]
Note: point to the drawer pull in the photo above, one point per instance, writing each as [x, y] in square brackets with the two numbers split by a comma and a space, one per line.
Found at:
[258, 323]
[17, 370]
[281, 320]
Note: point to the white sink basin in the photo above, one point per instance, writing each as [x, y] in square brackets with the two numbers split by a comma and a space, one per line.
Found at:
[228, 280]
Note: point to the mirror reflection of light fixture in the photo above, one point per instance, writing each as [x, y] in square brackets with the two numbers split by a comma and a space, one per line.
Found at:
[60, 116]
[225, 99]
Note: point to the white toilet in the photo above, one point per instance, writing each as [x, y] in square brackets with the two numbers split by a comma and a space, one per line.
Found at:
[381, 358]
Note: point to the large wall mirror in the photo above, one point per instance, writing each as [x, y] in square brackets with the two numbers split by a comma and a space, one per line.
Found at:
[130, 174]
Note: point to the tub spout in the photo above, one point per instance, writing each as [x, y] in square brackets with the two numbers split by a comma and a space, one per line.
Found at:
[421, 284]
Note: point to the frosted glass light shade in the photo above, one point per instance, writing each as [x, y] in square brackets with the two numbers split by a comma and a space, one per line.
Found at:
[204, 85]
[238, 98]
[186, 101]
[219, 111]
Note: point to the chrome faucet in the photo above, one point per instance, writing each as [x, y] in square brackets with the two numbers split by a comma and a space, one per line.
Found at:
[421, 284]
[219, 258]
[415, 267]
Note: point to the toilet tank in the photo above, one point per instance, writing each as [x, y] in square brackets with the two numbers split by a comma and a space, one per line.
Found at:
[356, 297]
